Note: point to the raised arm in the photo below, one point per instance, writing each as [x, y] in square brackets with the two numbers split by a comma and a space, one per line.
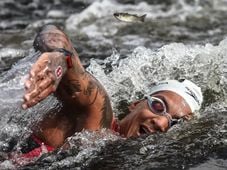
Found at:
[54, 72]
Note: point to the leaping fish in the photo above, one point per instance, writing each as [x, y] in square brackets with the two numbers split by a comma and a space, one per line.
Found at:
[126, 17]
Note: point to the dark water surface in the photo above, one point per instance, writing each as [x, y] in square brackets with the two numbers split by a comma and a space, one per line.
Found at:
[179, 39]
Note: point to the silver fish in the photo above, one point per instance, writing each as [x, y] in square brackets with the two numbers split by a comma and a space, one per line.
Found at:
[126, 17]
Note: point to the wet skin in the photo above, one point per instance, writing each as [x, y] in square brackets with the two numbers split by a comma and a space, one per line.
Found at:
[141, 120]
[85, 103]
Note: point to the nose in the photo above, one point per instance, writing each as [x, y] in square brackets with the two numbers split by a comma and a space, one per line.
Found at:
[160, 123]
[156, 122]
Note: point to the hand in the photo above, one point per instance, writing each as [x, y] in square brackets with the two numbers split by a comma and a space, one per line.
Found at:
[44, 77]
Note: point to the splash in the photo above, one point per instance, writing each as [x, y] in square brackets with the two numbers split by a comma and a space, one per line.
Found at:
[129, 78]
[126, 79]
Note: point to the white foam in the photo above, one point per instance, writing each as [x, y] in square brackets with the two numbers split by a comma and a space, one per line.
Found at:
[11, 52]
[220, 5]
[204, 65]
[56, 14]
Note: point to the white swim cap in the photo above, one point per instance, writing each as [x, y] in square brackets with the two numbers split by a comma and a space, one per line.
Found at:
[185, 88]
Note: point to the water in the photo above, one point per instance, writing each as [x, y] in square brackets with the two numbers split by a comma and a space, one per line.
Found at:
[179, 39]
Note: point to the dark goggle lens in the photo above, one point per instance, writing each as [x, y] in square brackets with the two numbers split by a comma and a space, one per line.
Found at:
[157, 106]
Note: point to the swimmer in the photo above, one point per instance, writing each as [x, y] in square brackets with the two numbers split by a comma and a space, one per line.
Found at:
[85, 103]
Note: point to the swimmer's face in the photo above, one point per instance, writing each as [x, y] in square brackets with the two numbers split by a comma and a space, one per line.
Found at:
[147, 116]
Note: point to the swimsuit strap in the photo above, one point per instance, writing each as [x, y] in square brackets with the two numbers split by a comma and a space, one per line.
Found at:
[115, 125]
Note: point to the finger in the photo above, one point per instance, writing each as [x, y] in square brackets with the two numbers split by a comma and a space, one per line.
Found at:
[38, 98]
[41, 85]
[31, 82]
[40, 64]
[42, 74]
[45, 83]
[28, 85]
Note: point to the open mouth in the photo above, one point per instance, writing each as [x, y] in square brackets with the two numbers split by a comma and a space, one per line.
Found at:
[144, 130]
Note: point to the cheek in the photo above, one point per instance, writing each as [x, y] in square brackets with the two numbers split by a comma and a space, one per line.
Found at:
[134, 118]
[129, 125]
[146, 114]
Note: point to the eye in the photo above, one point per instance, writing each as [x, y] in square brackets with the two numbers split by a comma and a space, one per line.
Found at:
[158, 106]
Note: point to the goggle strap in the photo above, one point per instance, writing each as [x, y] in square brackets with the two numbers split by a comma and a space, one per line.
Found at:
[68, 55]
[169, 117]
[149, 101]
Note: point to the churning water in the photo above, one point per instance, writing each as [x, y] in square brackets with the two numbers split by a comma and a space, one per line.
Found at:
[179, 39]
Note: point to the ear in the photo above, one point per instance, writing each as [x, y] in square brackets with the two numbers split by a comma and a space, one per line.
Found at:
[188, 116]
[132, 106]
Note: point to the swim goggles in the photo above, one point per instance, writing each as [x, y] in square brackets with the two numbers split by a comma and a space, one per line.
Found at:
[158, 106]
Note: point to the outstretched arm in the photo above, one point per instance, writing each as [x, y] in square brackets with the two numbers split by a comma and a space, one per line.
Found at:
[52, 68]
